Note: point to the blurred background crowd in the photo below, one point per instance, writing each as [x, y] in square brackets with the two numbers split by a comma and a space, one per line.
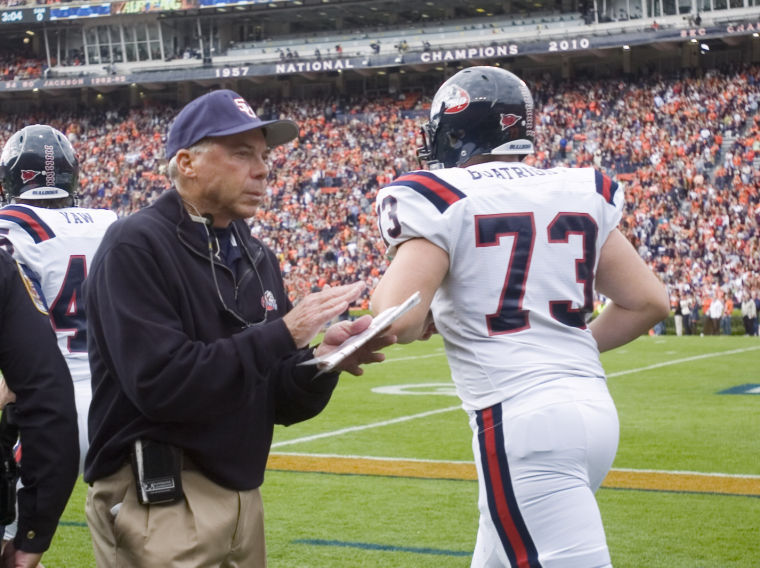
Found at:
[686, 149]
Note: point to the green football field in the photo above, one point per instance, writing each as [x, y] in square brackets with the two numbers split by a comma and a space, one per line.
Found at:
[384, 476]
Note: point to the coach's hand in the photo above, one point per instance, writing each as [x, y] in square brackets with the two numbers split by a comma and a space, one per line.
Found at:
[337, 333]
[311, 314]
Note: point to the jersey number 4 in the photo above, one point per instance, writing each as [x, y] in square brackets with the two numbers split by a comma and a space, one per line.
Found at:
[511, 317]
[67, 310]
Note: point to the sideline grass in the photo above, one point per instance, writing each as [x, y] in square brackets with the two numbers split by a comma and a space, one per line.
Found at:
[672, 418]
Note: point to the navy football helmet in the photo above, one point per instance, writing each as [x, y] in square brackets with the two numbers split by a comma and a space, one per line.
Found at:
[478, 111]
[39, 163]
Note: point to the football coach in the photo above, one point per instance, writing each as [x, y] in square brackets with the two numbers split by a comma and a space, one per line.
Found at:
[195, 350]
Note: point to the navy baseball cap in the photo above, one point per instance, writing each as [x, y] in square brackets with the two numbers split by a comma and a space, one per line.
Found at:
[221, 113]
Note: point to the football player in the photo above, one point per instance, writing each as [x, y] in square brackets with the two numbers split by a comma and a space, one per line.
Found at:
[508, 259]
[53, 240]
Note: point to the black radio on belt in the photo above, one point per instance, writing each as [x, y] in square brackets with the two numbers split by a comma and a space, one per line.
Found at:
[157, 467]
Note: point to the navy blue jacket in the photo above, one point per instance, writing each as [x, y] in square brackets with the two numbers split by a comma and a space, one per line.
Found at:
[44, 411]
[170, 363]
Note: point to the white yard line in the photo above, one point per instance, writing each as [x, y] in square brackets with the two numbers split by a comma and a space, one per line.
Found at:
[374, 458]
[460, 462]
[684, 360]
[364, 427]
[441, 353]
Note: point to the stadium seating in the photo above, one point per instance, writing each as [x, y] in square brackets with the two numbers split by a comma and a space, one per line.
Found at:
[686, 148]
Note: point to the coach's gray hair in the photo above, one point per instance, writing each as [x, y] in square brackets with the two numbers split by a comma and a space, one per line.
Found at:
[173, 169]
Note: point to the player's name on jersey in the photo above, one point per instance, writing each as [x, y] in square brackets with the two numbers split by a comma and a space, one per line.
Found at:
[76, 217]
[516, 171]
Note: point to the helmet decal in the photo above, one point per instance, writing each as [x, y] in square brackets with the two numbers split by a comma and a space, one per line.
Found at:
[508, 120]
[528, 99]
[49, 165]
[29, 175]
[455, 99]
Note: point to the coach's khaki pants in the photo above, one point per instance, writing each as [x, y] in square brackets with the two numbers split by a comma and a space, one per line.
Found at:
[212, 527]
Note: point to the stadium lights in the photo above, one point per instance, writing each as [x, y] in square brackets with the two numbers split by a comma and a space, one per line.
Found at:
[626, 48]
[29, 32]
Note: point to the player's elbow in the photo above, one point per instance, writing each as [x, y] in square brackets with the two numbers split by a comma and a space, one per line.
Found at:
[658, 305]
[404, 333]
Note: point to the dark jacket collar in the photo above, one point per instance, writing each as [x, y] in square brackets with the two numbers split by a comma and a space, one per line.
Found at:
[169, 205]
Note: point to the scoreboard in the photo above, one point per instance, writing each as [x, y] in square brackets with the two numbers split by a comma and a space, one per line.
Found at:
[24, 15]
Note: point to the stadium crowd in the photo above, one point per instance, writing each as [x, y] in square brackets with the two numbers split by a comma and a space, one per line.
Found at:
[685, 148]
[20, 66]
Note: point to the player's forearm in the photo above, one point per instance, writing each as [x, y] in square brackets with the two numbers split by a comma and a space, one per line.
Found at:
[419, 266]
[616, 325]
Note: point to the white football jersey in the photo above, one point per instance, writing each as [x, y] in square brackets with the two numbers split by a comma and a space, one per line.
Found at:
[523, 245]
[55, 248]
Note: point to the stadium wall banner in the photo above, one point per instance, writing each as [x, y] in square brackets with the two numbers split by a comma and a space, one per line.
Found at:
[473, 54]
[218, 3]
[75, 12]
[143, 7]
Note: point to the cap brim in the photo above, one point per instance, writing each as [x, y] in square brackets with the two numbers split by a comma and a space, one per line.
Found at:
[276, 132]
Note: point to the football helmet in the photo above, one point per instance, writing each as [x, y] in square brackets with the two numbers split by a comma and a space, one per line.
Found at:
[478, 111]
[38, 163]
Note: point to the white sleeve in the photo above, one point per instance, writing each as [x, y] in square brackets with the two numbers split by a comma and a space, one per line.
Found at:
[416, 205]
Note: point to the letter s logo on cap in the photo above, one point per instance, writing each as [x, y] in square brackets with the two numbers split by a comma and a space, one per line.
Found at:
[244, 107]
